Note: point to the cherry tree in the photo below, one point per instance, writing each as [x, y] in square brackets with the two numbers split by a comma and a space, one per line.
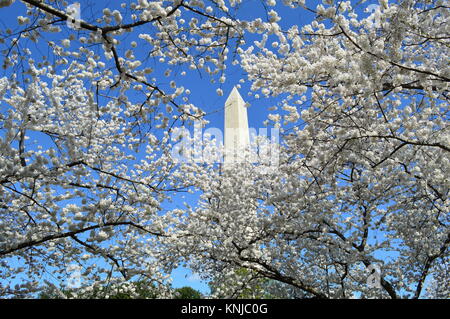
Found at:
[358, 205]
[85, 161]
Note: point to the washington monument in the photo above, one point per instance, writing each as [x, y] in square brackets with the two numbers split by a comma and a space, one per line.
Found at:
[237, 137]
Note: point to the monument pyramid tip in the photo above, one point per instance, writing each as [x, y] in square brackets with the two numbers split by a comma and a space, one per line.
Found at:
[234, 94]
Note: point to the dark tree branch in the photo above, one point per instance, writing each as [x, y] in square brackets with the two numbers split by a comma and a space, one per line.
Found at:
[32, 243]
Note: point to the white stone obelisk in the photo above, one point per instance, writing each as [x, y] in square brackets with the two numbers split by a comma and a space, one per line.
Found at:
[237, 137]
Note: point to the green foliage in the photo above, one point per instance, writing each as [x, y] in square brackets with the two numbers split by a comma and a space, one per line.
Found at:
[140, 290]
[187, 293]
[143, 290]
[246, 284]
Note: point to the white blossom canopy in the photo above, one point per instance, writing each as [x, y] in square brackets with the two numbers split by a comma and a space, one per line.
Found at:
[363, 172]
